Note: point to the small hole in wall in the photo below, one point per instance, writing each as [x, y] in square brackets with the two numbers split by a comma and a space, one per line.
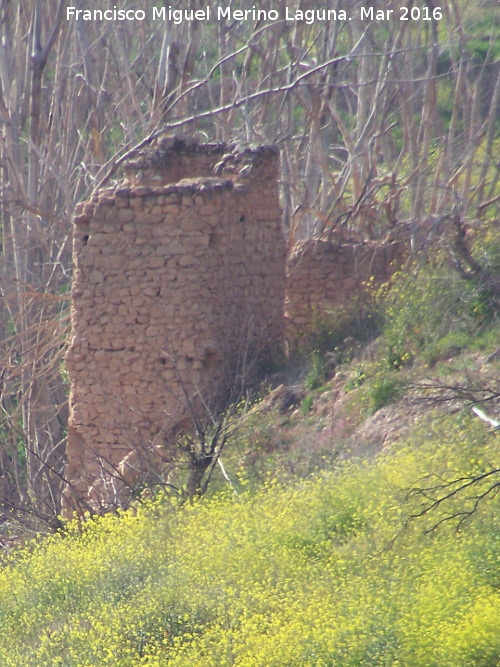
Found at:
[242, 218]
[210, 361]
[162, 361]
[214, 241]
[85, 239]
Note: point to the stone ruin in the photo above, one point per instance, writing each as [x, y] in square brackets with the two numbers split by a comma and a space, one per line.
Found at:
[179, 286]
[179, 282]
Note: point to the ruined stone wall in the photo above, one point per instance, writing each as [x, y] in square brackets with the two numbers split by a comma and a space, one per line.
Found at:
[179, 272]
[323, 276]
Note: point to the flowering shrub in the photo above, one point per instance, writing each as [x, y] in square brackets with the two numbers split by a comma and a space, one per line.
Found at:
[319, 573]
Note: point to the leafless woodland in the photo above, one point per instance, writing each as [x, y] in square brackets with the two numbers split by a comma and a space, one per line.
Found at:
[378, 124]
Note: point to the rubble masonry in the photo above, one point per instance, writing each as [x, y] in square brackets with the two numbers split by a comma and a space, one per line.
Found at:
[179, 279]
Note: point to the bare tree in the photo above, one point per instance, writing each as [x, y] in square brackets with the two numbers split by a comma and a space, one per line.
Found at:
[452, 498]
[455, 496]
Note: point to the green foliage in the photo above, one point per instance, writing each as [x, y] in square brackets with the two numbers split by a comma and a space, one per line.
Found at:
[357, 380]
[373, 386]
[336, 332]
[483, 30]
[431, 311]
[383, 389]
[333, 338]
[318, 573]
[306, 405]
[316, 375]
[420, 308]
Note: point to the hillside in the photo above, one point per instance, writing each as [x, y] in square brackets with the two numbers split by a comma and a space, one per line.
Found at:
[359, 527]
[180, 189]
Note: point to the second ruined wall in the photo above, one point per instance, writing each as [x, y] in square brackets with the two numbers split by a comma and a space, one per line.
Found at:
[323, 276]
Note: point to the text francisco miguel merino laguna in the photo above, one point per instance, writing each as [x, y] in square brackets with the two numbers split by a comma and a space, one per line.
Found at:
[221, 13]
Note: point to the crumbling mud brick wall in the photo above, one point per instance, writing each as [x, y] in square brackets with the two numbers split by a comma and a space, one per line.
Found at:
[324, 276]
[179, 280]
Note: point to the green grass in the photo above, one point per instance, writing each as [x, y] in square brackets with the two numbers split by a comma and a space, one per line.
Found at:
[316, 573]
[431, 312]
